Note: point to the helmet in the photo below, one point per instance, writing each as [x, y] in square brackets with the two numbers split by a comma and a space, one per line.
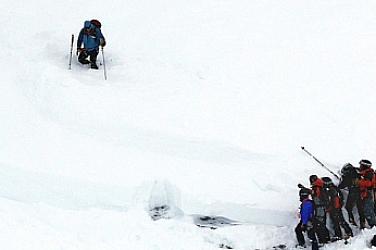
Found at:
[303, 193]
[365, 164]
[327, 182]
[312, 178]
[346, 169]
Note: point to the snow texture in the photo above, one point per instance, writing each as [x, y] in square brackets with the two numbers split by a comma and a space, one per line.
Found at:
[204, 111]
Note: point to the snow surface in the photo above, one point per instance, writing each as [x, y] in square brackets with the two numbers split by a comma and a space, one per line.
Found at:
[212, 98]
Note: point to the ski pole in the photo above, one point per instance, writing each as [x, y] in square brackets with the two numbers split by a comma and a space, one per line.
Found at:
[320, 163]
[71, 51]
[104, 66]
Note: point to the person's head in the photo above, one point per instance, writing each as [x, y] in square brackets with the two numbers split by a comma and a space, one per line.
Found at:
[312, 178]
[327, 182]
[303, 194]
[365, 164]
[346, 168]
[88, 25]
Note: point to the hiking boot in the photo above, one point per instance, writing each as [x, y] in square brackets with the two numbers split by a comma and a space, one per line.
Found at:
[335, 238]
[301, 246]
[347, 236]
[94, 66]
[362, 225]
[352, 222]
[84, 61]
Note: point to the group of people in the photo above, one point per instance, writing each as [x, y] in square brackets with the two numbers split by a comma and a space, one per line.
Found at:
[324, 197]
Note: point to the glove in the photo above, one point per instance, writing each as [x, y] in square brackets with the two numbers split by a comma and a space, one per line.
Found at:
[79, 50]
[102, 42]
[303, 227]
[300, 186]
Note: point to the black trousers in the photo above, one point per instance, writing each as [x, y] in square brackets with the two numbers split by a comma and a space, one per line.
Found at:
[310, 233]
[92, 54]
[338, 222]
[320, 223]
[353, 199]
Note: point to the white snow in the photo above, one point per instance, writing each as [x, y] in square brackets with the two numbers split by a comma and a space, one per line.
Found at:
[212, 98]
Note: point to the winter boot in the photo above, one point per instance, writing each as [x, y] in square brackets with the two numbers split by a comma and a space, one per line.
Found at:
[352, 222]
[93, 65]
[347, 236]
[335, 238]
[321, 244]
[373, 241]
[84, 61]
[82, 58]
[301, 246]
[315, 246]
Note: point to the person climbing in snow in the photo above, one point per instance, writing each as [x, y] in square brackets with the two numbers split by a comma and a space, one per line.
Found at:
[366, 185]
[334, 207]
[319, 201]
[350, 177]
[306, 220]
[90, 38]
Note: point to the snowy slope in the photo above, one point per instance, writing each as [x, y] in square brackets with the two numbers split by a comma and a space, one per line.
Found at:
[213, 98]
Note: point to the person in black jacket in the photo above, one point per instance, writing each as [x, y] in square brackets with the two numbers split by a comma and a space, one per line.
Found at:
[350, 177]
[334, 207]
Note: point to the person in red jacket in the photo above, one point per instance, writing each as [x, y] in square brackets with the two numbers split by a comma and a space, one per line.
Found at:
[366, 185]
[320, 209]
[334, 207]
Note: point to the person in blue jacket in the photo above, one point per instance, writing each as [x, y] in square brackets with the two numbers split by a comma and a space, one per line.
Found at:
[306, 220]
[88, 42]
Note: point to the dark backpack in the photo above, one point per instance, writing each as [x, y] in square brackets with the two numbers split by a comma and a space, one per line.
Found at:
[334, 192]
[373, 241]
[96, 23]
[325, 197]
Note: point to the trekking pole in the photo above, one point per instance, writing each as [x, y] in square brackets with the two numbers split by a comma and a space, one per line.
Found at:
[104, 66]
[320, 163]
[71, 51]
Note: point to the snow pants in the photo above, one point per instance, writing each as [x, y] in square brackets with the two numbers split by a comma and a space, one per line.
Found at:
[320, 224]
[353, 199]
[338, 221]
[310, 233]
[92, 54]
[368, 208]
